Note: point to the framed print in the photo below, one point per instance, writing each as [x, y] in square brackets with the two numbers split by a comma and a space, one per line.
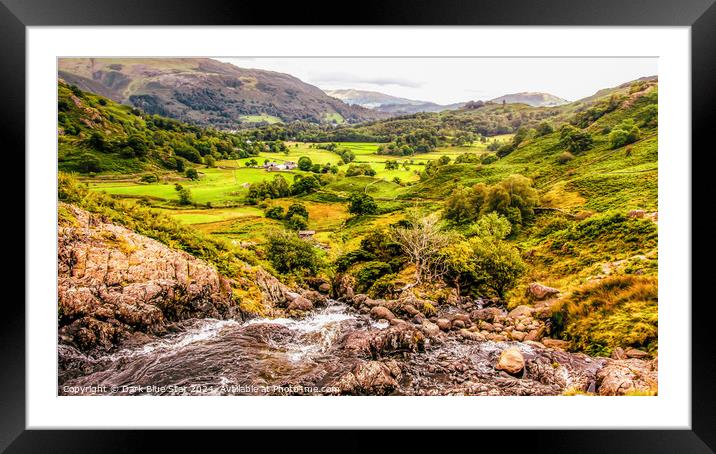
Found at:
[415, 217]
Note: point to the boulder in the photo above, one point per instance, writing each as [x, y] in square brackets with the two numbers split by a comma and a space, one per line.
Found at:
[381, 312]
[370, 378]
[520, 311]
[534, 344]
[377, 343]
[324, 287]
[472, 335]
[313, 296]
[487, 314]
[444, 324]
[618, 353]
[634, 353]
[458, 324]
[511, 361]
[637, 214]
[627, 376]
[430, 329]
[535, 334]
[300, 304]
[539, 292]
[556, 344]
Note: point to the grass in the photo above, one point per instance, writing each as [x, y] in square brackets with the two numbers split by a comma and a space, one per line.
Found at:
[263, 118]
[618, 311]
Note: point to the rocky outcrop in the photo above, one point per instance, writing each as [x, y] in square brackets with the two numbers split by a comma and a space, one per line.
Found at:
[370, 378]
[539, 292]
[399, 338]
[114, 283]
[620, 377]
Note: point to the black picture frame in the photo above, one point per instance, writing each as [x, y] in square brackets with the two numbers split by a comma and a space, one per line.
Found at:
[700, 15]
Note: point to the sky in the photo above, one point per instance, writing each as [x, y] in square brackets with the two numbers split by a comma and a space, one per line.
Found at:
[451, 80]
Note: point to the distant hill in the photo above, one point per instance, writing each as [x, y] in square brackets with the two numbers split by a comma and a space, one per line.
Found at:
[382, 102]
[207, 92]
[534, 99]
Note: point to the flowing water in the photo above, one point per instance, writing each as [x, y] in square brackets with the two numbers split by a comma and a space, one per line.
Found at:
[274, 357]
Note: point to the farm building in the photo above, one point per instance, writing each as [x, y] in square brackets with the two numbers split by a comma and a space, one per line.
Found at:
[306, 233]
[275, 167]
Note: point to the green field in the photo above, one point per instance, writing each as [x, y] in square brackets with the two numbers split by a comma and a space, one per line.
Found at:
[260, 119]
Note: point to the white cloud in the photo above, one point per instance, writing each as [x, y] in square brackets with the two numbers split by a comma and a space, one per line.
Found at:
[449, 80]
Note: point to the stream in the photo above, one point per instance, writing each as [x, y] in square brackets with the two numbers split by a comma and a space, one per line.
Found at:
[284, 357]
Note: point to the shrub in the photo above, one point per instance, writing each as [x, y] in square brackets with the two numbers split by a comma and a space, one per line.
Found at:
[482, 266]
[297, 209]
[544, 128]
[290, 254]
[185, 197]
[192, 173]
[89, 163]
[361, 204]
[275, 212]
[623, 134]
[150, 178]
[305, 185]
[305, 163]
[574, 139]
[296, 222]
[384, 287]
[489, 158]
[360, 169]
[369, 273]
[565, 157]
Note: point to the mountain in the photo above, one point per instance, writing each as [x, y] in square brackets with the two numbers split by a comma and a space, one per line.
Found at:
[207, 92]
[382, 102]
[534, 99]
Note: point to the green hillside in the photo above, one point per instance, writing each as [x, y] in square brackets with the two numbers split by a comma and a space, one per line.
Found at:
[565, 196]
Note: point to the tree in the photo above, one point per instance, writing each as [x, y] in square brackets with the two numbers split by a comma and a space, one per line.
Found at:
[421, 242]
[275, 212]
[624, 133]
[290, 254]
[484, 265]
[296, 222]
[361, 204]
[305, 163]
[209, 161]
[491, 225]
[89, 163]
[185, 197]
[459, 207]
[138, 144]
[392, 165]
[497, 263]
[489, 158]
[305, 185]
[574, 139]
[297, 209]
[179, 163]
[97, 141]
[544, 128]
[192, 174]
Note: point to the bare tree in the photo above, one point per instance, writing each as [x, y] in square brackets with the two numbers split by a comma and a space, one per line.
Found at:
[422, 242]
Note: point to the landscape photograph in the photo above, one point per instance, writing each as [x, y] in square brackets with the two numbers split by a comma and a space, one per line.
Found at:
[357, 226]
